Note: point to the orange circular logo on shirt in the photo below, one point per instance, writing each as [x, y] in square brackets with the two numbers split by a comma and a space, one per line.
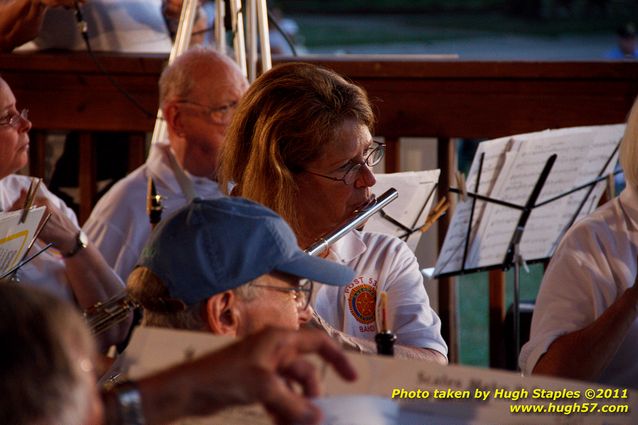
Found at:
[362, 302]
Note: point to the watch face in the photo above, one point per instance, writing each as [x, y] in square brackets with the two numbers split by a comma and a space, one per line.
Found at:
[83, 239]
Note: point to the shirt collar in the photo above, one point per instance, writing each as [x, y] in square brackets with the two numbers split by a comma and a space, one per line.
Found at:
[348, 248]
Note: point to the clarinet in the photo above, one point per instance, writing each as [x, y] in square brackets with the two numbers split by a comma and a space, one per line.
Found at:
[104, 315]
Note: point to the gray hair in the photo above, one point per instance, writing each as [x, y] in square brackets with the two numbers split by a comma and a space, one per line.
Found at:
[629, 148]
[40, 378]
[179, 78]
[161, 310]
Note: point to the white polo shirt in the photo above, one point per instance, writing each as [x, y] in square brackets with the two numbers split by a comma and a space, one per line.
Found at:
[595, 263]
[382, 263]
[119, 225]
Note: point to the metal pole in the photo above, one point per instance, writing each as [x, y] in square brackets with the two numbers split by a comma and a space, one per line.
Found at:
[182, 41]
[220, 30]
[251, 24]
[237, 20]
[264, 35]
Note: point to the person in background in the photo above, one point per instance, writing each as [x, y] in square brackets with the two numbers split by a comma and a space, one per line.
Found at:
[73, 269]
[21, 20]
[300, 143]
[135, 26]
[626, 47]
[589, 296]
[199, 92]
[48, 372]
[227, 266]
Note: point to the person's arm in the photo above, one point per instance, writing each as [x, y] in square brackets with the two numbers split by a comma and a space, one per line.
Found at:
[20, 20]
[259, 369]
[567, 356]
[361, 345]
[89, 276]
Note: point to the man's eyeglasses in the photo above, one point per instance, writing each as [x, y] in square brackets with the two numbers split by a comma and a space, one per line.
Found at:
[218, 114]
[373, 156]
[301, 293]
[15, 119]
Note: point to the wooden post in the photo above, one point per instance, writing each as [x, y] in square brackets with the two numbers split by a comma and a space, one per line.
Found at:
[496, 282]
[136, 150]
[37, 154]
[392, 155]
[447, 286]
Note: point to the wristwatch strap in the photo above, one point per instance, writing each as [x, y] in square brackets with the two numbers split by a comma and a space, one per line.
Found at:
[80, 243]
[129, 403]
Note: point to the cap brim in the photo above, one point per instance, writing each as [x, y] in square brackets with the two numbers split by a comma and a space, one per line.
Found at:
[318, 269]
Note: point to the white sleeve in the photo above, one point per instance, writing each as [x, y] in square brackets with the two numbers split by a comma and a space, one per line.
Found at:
[415, 322]
[577, 287]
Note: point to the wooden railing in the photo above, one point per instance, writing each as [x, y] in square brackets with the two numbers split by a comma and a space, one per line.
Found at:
[413, 97]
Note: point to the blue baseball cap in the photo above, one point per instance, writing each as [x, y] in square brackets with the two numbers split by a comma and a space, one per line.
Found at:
[214, 245]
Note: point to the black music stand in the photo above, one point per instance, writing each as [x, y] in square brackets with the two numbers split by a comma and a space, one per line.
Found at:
[512, 257]
[415, 227]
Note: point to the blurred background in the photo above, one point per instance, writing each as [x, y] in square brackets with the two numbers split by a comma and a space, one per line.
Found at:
[473, 29]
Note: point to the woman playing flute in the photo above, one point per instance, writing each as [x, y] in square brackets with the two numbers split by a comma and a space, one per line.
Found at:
[300, 143]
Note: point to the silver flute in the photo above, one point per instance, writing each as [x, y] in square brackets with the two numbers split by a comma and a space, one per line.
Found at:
[359, 217]
[104, 315]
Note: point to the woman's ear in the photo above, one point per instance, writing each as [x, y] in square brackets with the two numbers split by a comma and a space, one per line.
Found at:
[222, 313]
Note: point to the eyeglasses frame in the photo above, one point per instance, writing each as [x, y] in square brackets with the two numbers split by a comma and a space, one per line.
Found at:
[16, 119]
[356, 166]
[224, 109]
[305, 286]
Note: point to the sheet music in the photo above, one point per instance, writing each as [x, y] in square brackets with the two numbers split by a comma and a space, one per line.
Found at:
[410, 208]
[379, 376]
[605, 140]
[15, 236]
[581, 155]
[153, 349]
[368, 400]
[495, 231]
[451, 255]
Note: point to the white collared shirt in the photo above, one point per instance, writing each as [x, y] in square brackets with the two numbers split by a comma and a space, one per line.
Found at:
[382, 263]
[132, 26]
[119, 225]
[594, 264]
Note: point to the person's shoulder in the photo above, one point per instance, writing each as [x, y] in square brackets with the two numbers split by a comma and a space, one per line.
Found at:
[129, 185]
[15, 181]
[596, 225]
[125, 194]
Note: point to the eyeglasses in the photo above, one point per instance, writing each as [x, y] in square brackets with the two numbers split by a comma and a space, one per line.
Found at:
[15, 119]
[301, 292]
[373, 156]
[218, 114]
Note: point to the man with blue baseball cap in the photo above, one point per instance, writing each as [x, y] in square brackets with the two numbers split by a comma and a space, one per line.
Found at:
[229, 266]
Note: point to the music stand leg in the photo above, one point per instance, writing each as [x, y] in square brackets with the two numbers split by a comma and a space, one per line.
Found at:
[515, 308]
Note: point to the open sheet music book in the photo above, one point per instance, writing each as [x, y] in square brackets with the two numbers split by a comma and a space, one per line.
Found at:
[482, 396]
[511, 167]
[15, 237]
[416, 194]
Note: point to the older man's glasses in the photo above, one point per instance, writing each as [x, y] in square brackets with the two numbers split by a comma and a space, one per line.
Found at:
[218, 114]
[15, 119]
[373, 156]
[301, 292]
